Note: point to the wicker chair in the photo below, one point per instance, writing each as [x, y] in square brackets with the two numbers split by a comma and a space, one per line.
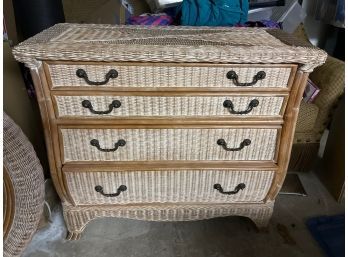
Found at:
[23, 190]
[315, 117]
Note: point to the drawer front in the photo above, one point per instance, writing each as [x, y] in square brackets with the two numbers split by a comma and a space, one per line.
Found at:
[157, 106]
[168, 144]
[168, 186]
[152, 76]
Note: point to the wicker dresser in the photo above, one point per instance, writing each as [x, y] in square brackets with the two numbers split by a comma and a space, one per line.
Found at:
[167, 124]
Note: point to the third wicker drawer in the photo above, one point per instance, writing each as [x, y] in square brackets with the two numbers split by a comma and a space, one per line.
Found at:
[164, 144]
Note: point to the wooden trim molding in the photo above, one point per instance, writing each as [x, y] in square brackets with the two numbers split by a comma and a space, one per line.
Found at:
[288, 132]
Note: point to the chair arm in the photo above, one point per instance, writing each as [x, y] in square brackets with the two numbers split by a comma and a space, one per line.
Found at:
[330, 79]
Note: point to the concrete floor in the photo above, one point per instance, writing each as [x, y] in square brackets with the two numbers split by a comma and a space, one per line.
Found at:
[221, 237]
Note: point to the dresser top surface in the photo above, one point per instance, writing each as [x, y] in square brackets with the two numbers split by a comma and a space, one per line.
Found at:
[92, 42]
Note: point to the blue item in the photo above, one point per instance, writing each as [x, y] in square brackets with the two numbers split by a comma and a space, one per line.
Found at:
[328, 231]
[213, 12]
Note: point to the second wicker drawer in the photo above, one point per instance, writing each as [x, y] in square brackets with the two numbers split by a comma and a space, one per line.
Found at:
[104, 106]
[163, 144]
[198, 186]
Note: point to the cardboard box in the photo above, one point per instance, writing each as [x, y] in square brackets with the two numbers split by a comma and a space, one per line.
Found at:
[102, 11]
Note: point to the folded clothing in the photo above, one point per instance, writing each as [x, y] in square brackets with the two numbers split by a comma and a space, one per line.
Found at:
[160, 19]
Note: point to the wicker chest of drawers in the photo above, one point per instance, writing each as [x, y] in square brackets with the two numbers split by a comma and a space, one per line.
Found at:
[167, 124]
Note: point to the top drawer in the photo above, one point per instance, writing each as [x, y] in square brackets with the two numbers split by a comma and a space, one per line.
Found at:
[155, 75]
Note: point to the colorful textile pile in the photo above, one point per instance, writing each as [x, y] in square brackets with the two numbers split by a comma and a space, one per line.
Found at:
[160, 19]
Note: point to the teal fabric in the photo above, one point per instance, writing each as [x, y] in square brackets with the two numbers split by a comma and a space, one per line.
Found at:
[213, 12]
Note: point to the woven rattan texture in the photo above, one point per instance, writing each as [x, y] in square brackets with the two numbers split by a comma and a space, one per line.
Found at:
[168, 144]
[306, 117]
[331, 80]
[167, 106]
[166, 76]
[27, 179]
[88, 42]
[195, 186]
[78, 217]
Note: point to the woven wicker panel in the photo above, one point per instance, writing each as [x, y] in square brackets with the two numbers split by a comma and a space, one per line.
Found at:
[90, 42]
[306, 117]
[168, 144]
[77, 217]
[165, 76]
[186, 36]
[167, 106]
[168, 186]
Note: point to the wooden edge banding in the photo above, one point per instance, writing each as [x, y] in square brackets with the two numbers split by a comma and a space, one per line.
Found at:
[47, 75]
[72, 201]
[47, 118]
[9, 203]
[292, 77]
[147, 121]
[169, 165]
[276, 154]
[287, 134]
[167, 126]
[221, 92]
[191, 90]
[81, 207]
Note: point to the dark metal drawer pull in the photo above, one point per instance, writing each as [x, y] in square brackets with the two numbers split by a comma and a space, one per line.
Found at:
[95, 142]
[240, 186]
[234, 77]
[244, 143]
[229, 105]
[112, 74]
[122, 188]
[114, 104]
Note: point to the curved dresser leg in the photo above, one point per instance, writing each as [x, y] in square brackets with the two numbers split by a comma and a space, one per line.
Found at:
[261, 218]
[75, 220]
[73, 236]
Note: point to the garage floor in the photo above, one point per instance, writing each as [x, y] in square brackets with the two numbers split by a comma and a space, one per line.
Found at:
[221, 237]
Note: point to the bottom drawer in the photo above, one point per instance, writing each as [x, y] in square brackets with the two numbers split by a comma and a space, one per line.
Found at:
[171, 186]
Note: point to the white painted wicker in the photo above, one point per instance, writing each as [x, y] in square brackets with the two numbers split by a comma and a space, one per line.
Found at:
[187, 106]
[172, 186]
[168, 144]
